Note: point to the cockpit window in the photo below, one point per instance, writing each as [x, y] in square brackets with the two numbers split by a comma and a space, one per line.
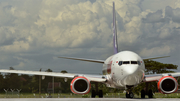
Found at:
[134, 62]
[139, 63]
[125, 62]
[129, 62]
[120, 63]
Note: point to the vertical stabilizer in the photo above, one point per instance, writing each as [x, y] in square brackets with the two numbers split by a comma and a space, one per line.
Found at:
[115, 44]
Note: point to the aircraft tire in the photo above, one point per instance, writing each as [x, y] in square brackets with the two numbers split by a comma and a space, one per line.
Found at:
[100, 94]
[93, 94]
[131, 95]
[142, 93]
[127, 95]
[150, 94]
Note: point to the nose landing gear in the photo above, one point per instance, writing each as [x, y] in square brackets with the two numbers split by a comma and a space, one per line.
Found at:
[129, 93]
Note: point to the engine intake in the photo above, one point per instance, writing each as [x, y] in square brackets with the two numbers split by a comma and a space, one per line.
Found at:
[80, 85]
[167, 85]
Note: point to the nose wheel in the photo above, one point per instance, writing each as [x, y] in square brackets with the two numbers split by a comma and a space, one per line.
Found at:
[129, 95]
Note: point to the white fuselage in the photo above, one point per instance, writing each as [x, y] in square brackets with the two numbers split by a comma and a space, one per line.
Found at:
[123, 69]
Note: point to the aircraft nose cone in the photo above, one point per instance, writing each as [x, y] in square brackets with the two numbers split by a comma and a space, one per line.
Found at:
[130, 69]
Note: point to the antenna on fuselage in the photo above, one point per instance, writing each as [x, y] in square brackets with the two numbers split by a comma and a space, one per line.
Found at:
[115, 44]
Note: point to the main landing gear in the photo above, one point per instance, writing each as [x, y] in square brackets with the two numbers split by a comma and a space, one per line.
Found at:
[99, 93]
[96, 92]
[146, 92]
[149, 93]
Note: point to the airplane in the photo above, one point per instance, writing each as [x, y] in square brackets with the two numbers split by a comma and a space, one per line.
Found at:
[124, 69]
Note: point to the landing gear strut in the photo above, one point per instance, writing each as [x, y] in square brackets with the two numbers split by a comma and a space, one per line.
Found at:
[129, 93]
[93, 94]
[96, 92]
[149, 93]
[146, 92]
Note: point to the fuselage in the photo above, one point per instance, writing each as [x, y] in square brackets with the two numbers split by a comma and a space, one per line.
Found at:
[123, 69]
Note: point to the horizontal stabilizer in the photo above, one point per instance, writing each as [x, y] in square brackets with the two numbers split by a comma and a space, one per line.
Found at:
[82, 59]
[155, 58]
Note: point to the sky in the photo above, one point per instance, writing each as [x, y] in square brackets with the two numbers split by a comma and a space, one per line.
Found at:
[33, 33]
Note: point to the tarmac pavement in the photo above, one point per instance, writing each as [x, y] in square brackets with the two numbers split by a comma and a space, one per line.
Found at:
[87, 99]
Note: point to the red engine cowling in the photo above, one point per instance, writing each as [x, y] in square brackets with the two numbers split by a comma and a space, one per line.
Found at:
[80, 85]
[167, 85]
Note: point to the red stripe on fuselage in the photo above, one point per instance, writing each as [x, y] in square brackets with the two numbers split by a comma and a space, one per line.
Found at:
[109, 68]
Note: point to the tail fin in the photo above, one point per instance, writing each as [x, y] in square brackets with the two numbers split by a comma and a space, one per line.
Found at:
[114, 31]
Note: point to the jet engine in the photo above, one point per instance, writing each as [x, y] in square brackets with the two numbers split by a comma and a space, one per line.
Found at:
[80, 85]
[167, 85]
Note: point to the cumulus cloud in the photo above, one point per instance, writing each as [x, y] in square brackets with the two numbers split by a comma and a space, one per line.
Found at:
[33, 33]
[155, 17]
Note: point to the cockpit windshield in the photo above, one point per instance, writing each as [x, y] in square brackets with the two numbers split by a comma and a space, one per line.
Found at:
[129, 62]
[134, 62]
[139, 63]
[125, 62]
[120, 63]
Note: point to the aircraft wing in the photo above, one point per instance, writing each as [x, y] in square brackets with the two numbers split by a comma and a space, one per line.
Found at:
[93, 78]
[83, 59]
[155, 57]
[156, 77]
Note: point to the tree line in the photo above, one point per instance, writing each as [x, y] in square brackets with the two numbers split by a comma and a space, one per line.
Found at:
[30, 83]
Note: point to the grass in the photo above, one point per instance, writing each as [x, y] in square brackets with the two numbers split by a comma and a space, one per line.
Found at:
[57, 95]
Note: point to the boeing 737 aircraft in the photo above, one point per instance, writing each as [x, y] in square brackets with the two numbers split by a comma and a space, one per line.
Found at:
[124, 69]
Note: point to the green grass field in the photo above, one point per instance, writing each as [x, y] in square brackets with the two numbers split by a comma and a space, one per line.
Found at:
[57, 95]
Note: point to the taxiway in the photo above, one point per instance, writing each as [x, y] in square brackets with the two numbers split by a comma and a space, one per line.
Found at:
[85, 99]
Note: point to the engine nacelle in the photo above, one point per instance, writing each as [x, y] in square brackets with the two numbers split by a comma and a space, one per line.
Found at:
[80, 85]
[167, 85]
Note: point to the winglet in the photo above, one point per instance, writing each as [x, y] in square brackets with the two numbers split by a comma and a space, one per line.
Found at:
[115, 44]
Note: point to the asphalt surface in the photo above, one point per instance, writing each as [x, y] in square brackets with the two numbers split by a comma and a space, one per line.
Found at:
[86, 99]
